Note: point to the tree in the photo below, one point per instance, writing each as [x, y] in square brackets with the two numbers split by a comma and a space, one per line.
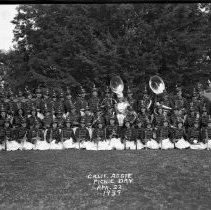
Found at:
[72, 44]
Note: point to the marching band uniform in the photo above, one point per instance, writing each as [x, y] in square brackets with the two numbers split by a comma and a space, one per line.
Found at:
[2, 116]
[129, 136]
[164, 134]
[149, 139]
[11, 144]
[81, 102]
[99, 136]
[48, 118]
[82, 135]
[190, 118]
[36, 137]
[195, 139]
[130, 99]
[158, 118]
[144, 116]
[139, 134]
[59, 119]
[75, 117]
[206, 134]
[98, 116]
[67, 135]
[94, 100]
[113, 135]
[22, 134]
[69, 102]
[88, 117]
[53, 136]
[33, 118]
[179, 137]
[108, 101]
[2, 139]
[204, 118]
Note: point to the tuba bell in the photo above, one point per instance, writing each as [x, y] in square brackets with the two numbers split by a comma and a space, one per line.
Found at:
[156, 84]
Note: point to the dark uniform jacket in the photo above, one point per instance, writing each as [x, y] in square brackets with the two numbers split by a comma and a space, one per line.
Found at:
[98, 132]
[82, 134]
[53, 134]
[67, 133]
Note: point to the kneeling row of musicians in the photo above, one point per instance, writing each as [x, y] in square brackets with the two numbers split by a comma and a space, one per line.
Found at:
[100, 138]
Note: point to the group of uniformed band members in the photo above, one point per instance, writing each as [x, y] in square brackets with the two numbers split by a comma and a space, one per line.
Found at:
[48, 119]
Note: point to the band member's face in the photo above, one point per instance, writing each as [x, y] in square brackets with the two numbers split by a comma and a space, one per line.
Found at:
[179, 93]
[204, 113]
[176, 112]
[47, 113]
[94, 93]
[20, 112]
[112, 122]
[100, 125]
[3, 114]
[160, 111]
[139, 124]
[127, 124]
[54, 125]
[82, 125]
[24, 125]
[68, 125]
[87, 112]
[179, 125]
[69, 97]
[83, 95]
[37, 126]
[7, 124]
[196, 125]
[165, 124]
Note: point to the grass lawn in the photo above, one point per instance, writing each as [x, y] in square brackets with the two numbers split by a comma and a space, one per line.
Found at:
[58, 179]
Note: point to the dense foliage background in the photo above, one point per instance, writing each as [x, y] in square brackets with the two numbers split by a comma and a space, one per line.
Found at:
[80, 44]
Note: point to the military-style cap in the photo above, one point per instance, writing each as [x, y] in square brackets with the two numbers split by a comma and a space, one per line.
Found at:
[82, 90]
[191, 109]
[23, 120]
[53, 94]
[107, 90]
[178, 88]
[46, 91]
[61, 94]
[196, 121]
[2, 108]
[38, 90]
[87, 108]
[68, 120]
[82, 120]
[129, 90]
[204, 109]
[94, 88]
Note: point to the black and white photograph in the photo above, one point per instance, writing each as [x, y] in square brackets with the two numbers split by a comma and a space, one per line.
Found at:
[105, 106]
